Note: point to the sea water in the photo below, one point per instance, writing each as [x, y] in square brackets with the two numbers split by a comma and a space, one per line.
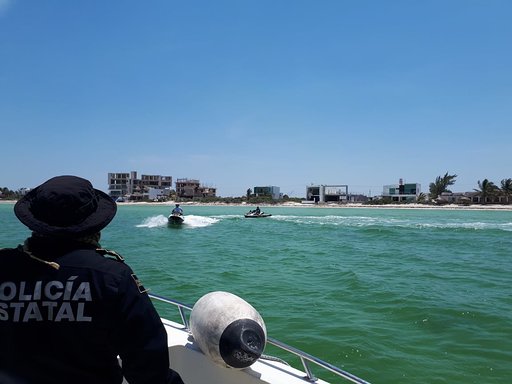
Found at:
[390, 295]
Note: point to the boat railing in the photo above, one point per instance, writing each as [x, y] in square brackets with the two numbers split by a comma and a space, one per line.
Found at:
[304, 357]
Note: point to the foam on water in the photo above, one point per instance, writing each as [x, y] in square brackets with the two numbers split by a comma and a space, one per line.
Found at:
[364, 221]
[191, 221]
[153, 221]
[199, 221]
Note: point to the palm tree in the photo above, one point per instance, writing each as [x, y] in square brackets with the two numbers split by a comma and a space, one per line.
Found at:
[486, 189]
[441, 185]
[506, 188]
[421, 198]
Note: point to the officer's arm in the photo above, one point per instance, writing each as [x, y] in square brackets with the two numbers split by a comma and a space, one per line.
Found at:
[142, 338]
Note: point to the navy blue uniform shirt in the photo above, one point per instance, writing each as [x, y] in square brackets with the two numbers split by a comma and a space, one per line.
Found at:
[69, 325]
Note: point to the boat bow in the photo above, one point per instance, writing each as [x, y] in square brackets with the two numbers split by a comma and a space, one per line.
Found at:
[195, 367]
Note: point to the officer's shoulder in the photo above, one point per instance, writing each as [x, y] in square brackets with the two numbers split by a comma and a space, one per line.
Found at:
[8, 251]
[109, 254]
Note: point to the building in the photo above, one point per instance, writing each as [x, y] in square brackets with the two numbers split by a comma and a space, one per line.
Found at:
[156, 181]
[158, 194]
[402, 192]
[127, 185]
[327, 193]
[463, 198]
[120, 184]
[272, 191]
[192, 188]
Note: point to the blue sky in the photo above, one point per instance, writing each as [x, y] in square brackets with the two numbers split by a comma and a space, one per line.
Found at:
[252, 93]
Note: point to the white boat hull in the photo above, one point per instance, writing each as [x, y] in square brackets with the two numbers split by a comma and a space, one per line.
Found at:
[195, 367]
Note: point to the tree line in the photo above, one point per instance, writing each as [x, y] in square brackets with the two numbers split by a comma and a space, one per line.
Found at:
[7, 194]
[486, 190]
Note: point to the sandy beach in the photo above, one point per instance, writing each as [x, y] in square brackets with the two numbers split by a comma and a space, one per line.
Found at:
[335, 206]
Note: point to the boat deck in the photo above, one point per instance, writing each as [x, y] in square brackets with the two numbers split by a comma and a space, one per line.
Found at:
[196, 368]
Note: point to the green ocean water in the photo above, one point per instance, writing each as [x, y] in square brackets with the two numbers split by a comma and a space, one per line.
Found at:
[390, 295]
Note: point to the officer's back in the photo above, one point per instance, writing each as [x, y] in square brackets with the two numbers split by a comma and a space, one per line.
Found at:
[69, 308]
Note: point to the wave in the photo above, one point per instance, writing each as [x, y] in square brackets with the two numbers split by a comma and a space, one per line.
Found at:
[381, 222]
[200, 221]
[191, 221]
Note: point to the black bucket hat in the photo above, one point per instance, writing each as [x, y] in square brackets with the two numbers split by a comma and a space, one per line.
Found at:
[65, 206]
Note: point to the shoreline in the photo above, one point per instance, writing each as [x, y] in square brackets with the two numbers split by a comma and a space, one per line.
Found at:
[332, 206]
[474, 207]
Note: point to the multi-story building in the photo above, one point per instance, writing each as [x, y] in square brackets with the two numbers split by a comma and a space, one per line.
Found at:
[402, 192]
[327, 193]
[190, 188]
[120, 184]
[272, 191]
[156, 181]
[128, 185]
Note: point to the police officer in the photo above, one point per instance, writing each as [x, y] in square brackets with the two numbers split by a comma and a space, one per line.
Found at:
[69, 308]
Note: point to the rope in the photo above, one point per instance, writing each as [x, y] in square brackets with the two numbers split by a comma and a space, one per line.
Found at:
[52, 264]
[24, 249]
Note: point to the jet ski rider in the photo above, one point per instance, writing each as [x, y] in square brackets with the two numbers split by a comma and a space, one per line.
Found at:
[177, 210]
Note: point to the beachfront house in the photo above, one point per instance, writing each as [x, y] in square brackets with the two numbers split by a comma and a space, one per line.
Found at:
[402, 192]
[192, 188]
[327, 193]
[128, 186]
[272, 191]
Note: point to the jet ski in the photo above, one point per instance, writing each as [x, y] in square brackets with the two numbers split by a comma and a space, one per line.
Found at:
[255, 214]
[176, 219]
